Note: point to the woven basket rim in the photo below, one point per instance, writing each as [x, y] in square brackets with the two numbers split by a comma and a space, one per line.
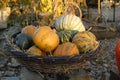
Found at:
[48, 59]
[50, 64]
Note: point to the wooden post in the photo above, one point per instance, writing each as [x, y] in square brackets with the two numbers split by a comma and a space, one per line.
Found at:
[88, 12]
[99, 11]
[114, 11]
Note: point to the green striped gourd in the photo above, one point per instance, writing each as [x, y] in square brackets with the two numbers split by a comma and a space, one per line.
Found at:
[85, 41]
[69, 25]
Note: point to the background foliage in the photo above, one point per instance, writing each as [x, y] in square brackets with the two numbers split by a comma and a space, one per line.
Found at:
[40, 12]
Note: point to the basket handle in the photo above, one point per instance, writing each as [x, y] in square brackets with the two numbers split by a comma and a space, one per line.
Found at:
[56, 5]
[67, 5]
[74, 4]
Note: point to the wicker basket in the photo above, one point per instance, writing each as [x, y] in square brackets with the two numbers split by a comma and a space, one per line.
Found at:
[102, 32]
[49, 64]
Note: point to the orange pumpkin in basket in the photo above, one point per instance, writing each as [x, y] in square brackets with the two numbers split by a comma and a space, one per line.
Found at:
[35, 51]
[29, 30]
[66, 49]
[46, 39]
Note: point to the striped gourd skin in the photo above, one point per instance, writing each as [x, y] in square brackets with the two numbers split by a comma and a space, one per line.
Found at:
[66, 49]
[86, 34]
[69, 22]
[85, 42]
[85, 45]
[66, 36]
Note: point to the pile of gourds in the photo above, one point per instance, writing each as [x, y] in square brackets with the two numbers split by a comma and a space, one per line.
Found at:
[68, 38]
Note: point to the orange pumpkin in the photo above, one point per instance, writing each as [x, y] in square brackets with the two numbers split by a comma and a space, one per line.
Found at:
[35, 51]
[46, 39]
[117, 50]
[29, 30]
[66, 49]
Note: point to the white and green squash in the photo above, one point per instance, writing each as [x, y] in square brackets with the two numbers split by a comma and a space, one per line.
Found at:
[67, 26]
[69, 22]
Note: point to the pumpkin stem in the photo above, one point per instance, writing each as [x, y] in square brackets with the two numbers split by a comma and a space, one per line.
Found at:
[99, 12]
[50, 53]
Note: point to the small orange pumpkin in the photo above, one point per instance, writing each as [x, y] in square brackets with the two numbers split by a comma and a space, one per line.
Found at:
[29, 30]
[66, 49]
[35, 51]
[46, 39]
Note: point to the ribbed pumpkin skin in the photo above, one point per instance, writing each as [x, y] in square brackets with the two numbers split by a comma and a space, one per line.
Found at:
[35, 51]
[67, 26]
[85, 42]
[46, 39]
[66, 36]
[66, 49]
[69, 22]
[29, 30]
[86, 34]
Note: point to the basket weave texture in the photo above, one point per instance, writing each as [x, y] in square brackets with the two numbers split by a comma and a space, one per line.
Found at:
[49, 64]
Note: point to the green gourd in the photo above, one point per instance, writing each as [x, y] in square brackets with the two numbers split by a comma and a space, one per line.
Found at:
[66, 36]
[23, 41]
[85, 41]
[67, 26]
